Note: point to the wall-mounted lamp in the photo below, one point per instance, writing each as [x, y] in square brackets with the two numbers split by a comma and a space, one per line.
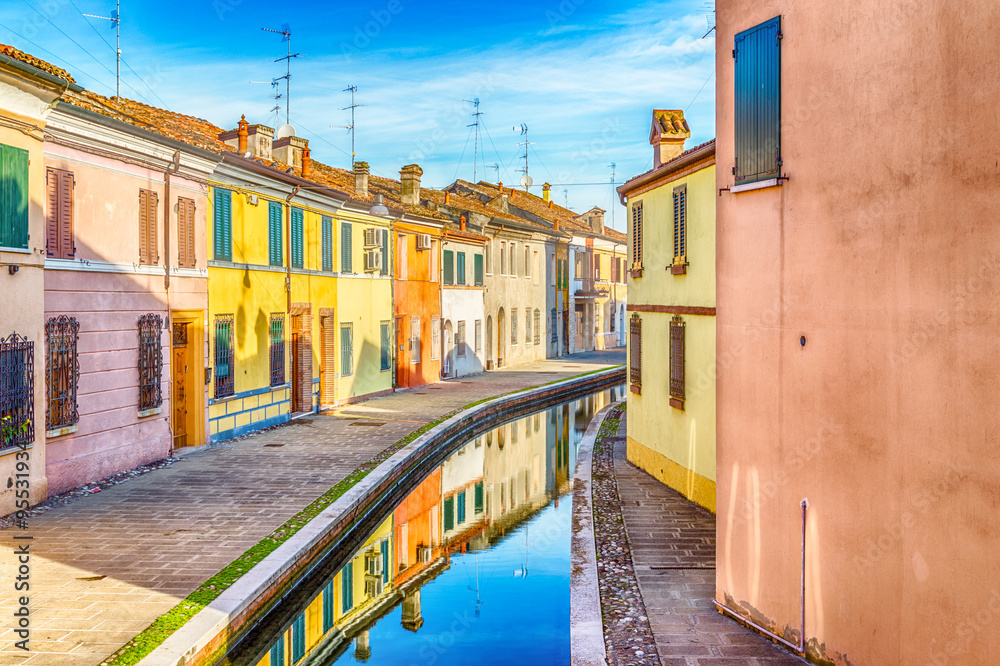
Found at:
[802, 341]
[13, 269]
[379, 207]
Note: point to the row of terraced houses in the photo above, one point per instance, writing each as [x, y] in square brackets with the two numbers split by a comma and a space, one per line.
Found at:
[170, 283]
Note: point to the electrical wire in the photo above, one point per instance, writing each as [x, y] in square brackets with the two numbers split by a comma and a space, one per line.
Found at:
[69, 65]
[497, 152]
[699, 90]
[455, 177]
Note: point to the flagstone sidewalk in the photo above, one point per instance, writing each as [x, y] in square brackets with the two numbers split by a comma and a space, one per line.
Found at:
[107, 565]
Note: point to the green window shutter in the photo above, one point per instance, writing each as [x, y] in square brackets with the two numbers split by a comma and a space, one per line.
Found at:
[346, 350]
[347, 587]
[385, 252]
[13, 197]
[298, 240]
[327, 243]
[461, 268]
[386, 348]
[461, 507]
[449, 514]
[299, 638]
[478, 268]
[345, 248]
[757, 83]
[478, 498]
[274, 235]
[328, 607]
[278, 652]
[449, 267]
[384, 547]
[222, 225]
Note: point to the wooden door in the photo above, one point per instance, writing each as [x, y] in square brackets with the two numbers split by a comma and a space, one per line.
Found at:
[181, 370]
[328, 368]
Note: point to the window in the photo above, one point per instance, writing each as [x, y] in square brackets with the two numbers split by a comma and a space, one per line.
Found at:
[449, 514]
[460, 502]
[17, 395]
[383, 548]
[677, 362]
[298, 240]
[328, 607]
[347, 587]
[513, 326]
[527, 261]
[401, 256]
[477, 498]
[460, 267]
[385, 253]
[479, 336]
[222, 225]
[434, 261]
[277, 349]
[538, 326]
[346, 265]
[757, 102]
[449, 267]
[635, 353]
[327, 235]
[597, 267]
[386, 346]
[527, 326]
[346, 349]
[224, 370]
[503, 258]
[637, 236]
[435, 338]
[680, 228]
[13, 197]
[59, 214]
[62, 372]
[148, 249]
[275, 253]
[489, 258]
[513, 261]
[185, 233]
[477, 267]
[414, 339]
[150, 361]
[298, 638]
[278, 652]
[460, 339]
[537, 268]
[555, 325]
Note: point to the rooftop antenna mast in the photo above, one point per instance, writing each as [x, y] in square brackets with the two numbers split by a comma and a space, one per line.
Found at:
[286, 36]
[115, 18]
[275, 95]
[566, 199]
[350, 128]
[612, 165]
[496, 167]
[475, 154]
[526, 180]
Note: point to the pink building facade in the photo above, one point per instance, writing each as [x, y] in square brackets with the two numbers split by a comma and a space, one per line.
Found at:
[858, 266]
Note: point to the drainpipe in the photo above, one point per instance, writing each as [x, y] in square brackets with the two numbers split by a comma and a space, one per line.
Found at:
[391, 272]
[288, 286]
[173, 168]
[801, 647]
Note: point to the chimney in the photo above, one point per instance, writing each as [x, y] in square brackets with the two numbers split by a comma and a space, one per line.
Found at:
[447, 198]
[409, 177]
[596, 220]
[667, 135]
[547, 194]
[288, 150]
[246, 138]
[306, 163]
[242, 134]
[361, 179]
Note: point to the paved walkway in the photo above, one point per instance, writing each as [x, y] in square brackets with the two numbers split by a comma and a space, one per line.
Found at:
[104, 567]
[673, 554]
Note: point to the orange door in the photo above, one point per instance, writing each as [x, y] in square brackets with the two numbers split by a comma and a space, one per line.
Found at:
[181, 371]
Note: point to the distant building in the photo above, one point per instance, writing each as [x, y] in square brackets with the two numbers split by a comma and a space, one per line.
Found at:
[671, 323]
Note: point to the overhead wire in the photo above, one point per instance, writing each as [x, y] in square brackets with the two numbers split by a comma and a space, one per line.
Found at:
[497, 152]
[69, 65]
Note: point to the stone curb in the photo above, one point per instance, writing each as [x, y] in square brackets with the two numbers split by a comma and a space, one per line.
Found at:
[586, 625]
[208, 632]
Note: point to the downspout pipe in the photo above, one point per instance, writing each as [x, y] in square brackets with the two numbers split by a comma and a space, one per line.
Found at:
[172, 168]
[801, 647]
[288, 274]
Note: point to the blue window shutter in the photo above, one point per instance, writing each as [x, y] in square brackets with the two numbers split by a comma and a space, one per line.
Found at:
[449, 514]
[461, 507]
[384, 547]
[278, 652]
[297, 237]
[757, 102]
[13, 197]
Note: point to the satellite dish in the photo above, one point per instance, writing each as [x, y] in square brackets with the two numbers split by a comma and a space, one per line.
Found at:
[526, 181]
[284, 131]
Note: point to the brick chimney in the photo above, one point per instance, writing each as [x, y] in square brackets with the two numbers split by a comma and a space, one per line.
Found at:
[547, 193]
[241, 128]
[409, 177]
[253, 139]
[667, 135]
[306, 163]
[361, 172]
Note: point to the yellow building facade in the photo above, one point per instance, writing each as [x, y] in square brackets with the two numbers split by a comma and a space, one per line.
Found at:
[671, 321]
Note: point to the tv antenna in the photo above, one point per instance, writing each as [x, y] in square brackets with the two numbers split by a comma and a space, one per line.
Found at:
[495, 166]
[475, 153]
[566, 199]
[116, 18]
[526, 180]
[710, 17]
[286, 36]
[612, 165]
[350, 128]
[275, 95]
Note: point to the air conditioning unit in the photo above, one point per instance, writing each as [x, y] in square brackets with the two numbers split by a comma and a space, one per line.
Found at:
[423, 241]
[373, 563]
[373, 586]
[373, 237]
[424, 554]
[373, 260]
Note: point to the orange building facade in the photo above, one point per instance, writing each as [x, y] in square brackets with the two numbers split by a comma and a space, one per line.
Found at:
[417, 302]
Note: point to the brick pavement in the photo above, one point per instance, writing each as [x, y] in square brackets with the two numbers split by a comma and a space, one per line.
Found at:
[673, 553]
[104, 567]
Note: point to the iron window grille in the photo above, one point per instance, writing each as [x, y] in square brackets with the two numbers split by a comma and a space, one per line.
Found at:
[555, 325]
[17, 391]
[538, 326]
[513, 326]
[224, 371]
[150, 361]
[62, 372]
[479, 335]
[635, 353]
[460, 341]
[277, 349]
[677, 358]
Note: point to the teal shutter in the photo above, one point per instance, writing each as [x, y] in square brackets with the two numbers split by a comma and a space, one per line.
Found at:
[384, 547]
[274, 235]
[327, 243]
[386, 347]
[385, 252]
[328, 607]
[347, 587]
[298, 239]
[477, 262]
[478, 498]
[222, 225]
[13, 197]
[449, 267]
[299, 638]
[461, 268]
[758, 102]
[461, 507]
[346, 350]
[449, 514]
[278, 652]
[345, 248]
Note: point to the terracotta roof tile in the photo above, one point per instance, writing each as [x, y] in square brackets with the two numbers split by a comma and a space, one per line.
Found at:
[666, 166]
[37, 63]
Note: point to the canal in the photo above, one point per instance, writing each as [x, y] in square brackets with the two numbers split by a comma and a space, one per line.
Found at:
[472, 566]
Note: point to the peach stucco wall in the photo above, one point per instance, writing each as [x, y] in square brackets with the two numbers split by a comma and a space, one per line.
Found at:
[882, 250]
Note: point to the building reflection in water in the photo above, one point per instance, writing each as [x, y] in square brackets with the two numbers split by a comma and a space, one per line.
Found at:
[480, 501]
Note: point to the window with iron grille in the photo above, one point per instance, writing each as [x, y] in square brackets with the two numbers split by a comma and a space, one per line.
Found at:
[513, 326]
[635, 353]
[538, 326]
[346, 349]
[224, 361]
[527, 326]
[677, 362]
[460, 339]
[150, 361]
[17, 391]
[277, 348]
[680, 226]
[62, 372]
[479, 335]
[555, 325]
[415, 340]
[435, 338]
[757, 102]
[386, 346]
[637, 235]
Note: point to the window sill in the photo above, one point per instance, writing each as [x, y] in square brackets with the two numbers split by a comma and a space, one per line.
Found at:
[635, 273]
[635, 389]
[150, 412]
[59, 432]
[678, 269]
[18, 250]
[759, 185]
[677, 404]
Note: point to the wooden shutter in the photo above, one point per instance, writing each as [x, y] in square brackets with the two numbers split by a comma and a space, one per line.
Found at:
[148, 253]
[328, 349]
[757, 102]
[680, 225]
[635, 353]
[59, 214]
[385, 253]
[677, 362]
[636, 235]
[185, 233]
[222, 226]
[13, 197]
[449, 267]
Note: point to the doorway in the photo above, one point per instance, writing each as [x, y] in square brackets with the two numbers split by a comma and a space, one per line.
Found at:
[328, 366]
[301, 360]
[500, 344]
[187, 390]
[489, 342]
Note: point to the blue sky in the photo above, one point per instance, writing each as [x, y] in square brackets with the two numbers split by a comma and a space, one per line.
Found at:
[583, 75]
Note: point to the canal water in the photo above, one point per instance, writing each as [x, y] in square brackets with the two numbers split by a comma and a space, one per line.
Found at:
[473, 566]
